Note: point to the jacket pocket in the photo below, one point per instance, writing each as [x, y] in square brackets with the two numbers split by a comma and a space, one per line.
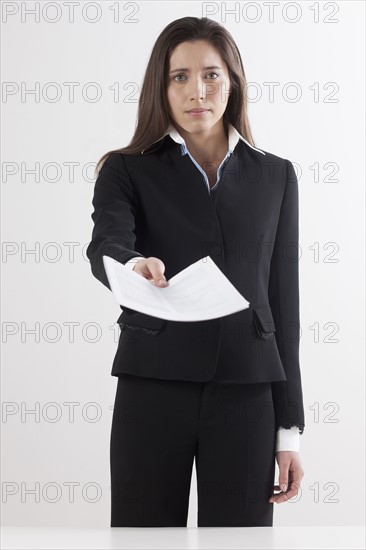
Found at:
[147, 323]
[263, 322]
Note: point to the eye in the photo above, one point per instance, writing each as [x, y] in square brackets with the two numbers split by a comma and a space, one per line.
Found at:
[178, 75]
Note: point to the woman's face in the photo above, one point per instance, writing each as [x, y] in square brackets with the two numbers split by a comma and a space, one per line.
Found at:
[198, 78]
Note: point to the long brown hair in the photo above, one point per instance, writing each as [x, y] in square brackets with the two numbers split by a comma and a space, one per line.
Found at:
[153, 118]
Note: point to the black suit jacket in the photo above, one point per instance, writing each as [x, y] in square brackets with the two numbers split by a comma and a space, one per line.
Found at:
[155, 204]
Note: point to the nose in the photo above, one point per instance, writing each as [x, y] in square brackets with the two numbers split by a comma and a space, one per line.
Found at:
[198, 89]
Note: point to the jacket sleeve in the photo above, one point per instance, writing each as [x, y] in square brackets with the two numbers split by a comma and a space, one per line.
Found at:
[113, 217]
[283, 294]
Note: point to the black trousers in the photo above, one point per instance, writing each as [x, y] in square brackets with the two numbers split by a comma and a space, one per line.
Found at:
[160, 426]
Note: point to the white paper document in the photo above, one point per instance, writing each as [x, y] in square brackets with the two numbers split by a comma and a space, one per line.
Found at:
[198, 293]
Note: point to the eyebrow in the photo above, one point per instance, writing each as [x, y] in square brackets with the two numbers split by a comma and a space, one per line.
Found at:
[187, 70]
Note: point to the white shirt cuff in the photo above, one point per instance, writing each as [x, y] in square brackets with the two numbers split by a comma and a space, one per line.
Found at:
[288, 439]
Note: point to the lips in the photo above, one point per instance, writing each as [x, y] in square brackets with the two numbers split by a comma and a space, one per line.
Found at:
[197, 110]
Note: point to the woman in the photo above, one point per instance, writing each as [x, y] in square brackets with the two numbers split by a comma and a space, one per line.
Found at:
[225, 392]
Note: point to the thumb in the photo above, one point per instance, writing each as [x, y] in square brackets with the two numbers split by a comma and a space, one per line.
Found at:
[160, 280]
[157, 272]
[283, 480]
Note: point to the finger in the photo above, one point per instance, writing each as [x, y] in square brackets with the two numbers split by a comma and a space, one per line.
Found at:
[161, 281]
[275, 495]
[283, 496]
[283, 478]
[157, 271]
[295, 478]
[153, 274]
[282, 486]
[294, 486]
[278, 499]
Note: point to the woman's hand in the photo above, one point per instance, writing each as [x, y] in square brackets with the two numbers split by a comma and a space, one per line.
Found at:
[152, 269]
[290, 476]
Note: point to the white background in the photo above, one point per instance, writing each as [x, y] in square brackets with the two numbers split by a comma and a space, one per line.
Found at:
[47, 285]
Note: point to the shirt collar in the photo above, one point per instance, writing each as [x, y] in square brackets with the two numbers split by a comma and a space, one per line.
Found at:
[233, 138]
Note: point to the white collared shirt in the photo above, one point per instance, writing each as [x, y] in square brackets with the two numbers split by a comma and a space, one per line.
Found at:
[233, 139]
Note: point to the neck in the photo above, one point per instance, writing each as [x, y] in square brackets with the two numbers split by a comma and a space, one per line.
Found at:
[208, 146]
